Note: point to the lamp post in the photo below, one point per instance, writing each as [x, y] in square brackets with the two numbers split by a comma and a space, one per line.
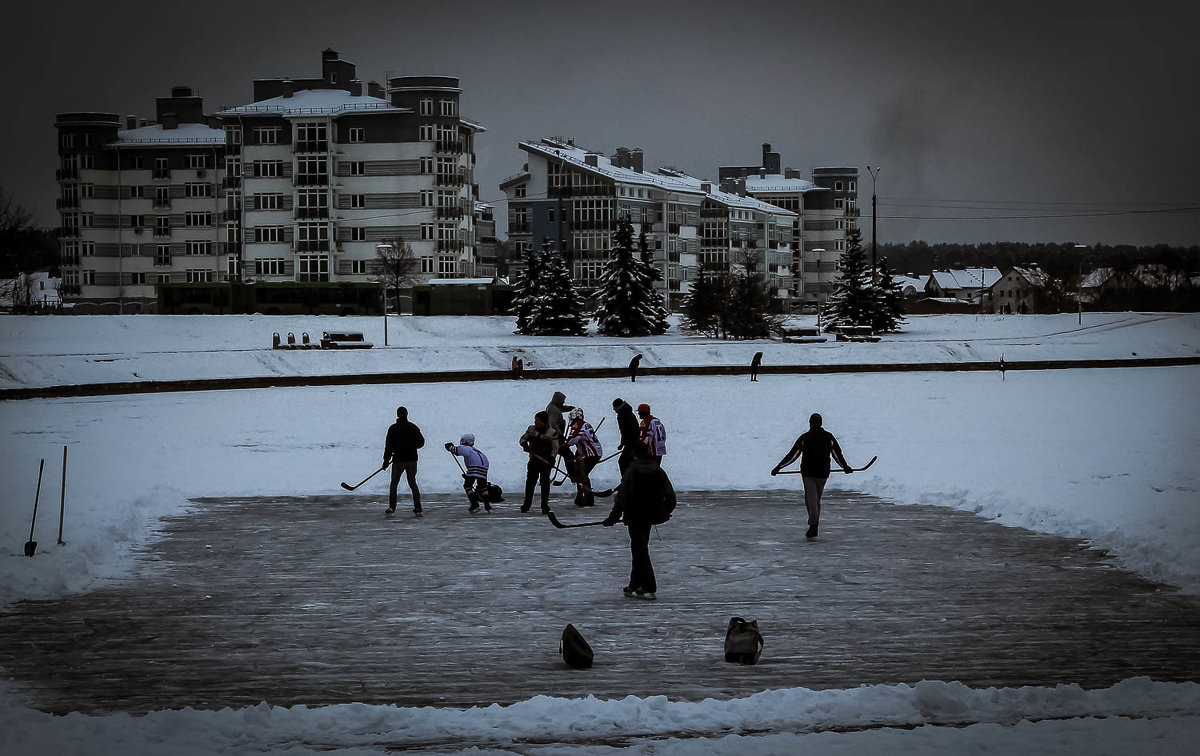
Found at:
[1079, 286]
[874, 235]
[384, 250]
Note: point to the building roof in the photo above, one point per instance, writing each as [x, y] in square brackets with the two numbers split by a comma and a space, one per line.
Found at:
[308, 102]
[967, 278]
[777, 183]
[727, 198]
[1036, 277]
[576, 156]
[187, 134]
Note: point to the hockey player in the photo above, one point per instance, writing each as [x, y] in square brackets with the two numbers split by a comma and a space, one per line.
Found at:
[588, 451]
[400, 450]
[554, 414]
[540, 441]
[652, 434]
[475, 478]
[627, 424]
[814, 449]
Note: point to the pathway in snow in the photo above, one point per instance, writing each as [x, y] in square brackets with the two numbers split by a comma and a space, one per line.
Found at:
[323, 600]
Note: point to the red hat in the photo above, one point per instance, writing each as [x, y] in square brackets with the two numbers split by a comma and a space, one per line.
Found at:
[644, 408]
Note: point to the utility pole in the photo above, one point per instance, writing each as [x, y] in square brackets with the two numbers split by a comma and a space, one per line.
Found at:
[874, 235]
[1079, 286]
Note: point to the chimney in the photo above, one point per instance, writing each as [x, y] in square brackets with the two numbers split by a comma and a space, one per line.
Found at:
[144, 122]
[742, 171]
[622, 157]
[766, 151]
[374, 89]
[289, 88]
[181, 91]
[170, 121]
[792, 173]
[706, 187]
[636, 159]
[762, 173]
[356, 87]
[590, 159]
[741, 187]
[131, 122]
[729, 185]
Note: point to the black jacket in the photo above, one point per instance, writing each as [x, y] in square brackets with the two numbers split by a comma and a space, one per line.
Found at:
[645, 485]
[627, 424]
[403, 440]
[816, 446]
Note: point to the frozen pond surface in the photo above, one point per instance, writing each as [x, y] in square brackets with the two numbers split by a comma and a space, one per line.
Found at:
[322, 600]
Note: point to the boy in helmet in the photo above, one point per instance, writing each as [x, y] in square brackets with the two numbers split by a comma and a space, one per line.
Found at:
[652, 434]
[475, 478]
[588, 451]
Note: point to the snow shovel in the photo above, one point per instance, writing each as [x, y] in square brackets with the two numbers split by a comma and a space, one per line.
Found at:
[31, 545]
[349, 487]
[554, 521]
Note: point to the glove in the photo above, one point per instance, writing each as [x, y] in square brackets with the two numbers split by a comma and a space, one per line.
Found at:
[774, 470]
[449, 446]
[610, 521]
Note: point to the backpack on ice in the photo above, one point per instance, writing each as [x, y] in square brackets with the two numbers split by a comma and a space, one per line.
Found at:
[493, 493]
[574, 649]
[743, 642]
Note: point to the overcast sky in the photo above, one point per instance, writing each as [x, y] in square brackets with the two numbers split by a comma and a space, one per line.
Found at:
[1087, 110]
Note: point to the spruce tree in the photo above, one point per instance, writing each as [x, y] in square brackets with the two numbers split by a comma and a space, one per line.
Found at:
[653, 297]
[852, 302]
[527, 291]
[889, 301]
[557, 308]
[625, 308]
[705, 309]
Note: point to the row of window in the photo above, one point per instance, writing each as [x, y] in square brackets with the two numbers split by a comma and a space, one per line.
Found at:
[445, 107]
[161, 165]
[316, 134]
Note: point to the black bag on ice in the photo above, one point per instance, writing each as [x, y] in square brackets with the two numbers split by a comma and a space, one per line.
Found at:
[494, 493]
[743, 642]
[574, 649]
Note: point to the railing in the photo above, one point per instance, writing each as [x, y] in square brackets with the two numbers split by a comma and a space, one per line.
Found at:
[161, 203]
[67, 202]
[311, 146]
[66, 173]
[162, 260]
[160, 231]
[312, 245]
[312, 179]
[449, 212]
[518, 228]
[312, 212]
[161, 173]
[448, 180]
[231, 182]
[453, 147]
[591, 225]
[449, 245]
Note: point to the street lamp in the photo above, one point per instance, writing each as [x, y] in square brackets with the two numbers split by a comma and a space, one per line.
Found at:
[384, 251]
[1079, 286]
[874, 245]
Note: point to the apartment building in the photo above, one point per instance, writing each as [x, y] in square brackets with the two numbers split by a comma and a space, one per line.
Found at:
[826, 207]
[300, 185]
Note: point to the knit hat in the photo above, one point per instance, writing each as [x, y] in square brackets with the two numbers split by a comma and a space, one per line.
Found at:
[467, 439]
[644, 408]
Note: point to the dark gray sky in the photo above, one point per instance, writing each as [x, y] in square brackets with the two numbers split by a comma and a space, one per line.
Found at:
[1081, 109]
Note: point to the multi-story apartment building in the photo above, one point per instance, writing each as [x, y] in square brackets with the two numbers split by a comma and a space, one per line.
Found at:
[826, 208]
[313, 176]
[139, 205]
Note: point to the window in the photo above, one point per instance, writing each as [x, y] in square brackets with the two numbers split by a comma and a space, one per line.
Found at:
[837, 186]
[427, 132]
[135, 192]
[88, 248]
[312, 203]
[358, 233]
[135, 221]
[272, 266]
[358, 267]
[164, 278]
[357, 135]
[519, 191]
[198, 160]
[426, 109]
[233, 168]
[233, 134]
[70, 277]
[70, 253]
[427, 198]
[162, 226]
[137, 163]
[267, 201]
[162, 254]
[198, 219]
[199, 276]
[87, 161]
[198, 190]
[312, 237]
[89, 277]
[449, 107]
[312, 268]
[426, 231]
[267, 168]
[162, 196]
[87, 191]
[162, 168]
[198, 247]
[854, 186]
[312, 170]
[87, 220]
[426, 165]
[68, 140]
[426, 264]
[232, 267]
[310, 133]
[358, 168]
[358, 200]
[264, 135]
[268, 234]
[446, 265]
[137, 279]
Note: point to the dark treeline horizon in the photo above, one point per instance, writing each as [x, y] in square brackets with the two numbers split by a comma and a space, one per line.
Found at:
[1061, 260]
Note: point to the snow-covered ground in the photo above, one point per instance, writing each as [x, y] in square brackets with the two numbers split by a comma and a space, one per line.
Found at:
[1106, 455]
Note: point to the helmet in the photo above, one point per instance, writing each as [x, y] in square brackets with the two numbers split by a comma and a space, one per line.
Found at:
[467, 440]
[576, 414]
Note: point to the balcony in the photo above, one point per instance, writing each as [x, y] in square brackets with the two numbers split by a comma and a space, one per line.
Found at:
[312, 212]
[161, 173]
[162, 260]
[449, 213]
[312, 245]
[518, 228]
[311, 146]
[161, 231]
[714, 212]
[312, 179]
[161, 202]
[449, 146]
[443, 179]
[449, 245]
[66, 174]
[68, 232]
[66, 202]
[592, 224]
[231, 182]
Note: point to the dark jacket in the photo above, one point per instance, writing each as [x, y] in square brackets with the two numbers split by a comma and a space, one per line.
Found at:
[815, 447]
[543, 444]
[403, 440]
[627, 424]
[644, 485]
[555, 410]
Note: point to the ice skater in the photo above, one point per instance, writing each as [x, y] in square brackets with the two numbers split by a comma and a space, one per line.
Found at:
[588, 452]
[814, 449]
[652, 433]
[400, 450]
[627, 425]
[755, 363]
[475, 478]
[540, 441]
[644, 498]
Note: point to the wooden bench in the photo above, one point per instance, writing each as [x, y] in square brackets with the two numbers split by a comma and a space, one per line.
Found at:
[344, 340]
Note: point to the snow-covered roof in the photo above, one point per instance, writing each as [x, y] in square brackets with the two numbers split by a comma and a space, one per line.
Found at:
[186, 134]
[577, 157]
[1034, 275]
[450, 281]
[308, 102]
[1096, 278]
[777, 183]
[967, 278]
[727, 198]
[906, 281]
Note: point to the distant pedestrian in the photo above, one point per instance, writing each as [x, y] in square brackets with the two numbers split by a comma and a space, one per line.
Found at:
[644, 498]
[652, 433]
[588, 450]
[540, 441]
[518, 366]
[400, 450]
[754, 365]
[633, 367]
[627, 425]
[814, 449]
[475, 478]
[554, 411]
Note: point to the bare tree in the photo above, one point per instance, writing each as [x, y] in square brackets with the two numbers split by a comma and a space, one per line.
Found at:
[395, 268]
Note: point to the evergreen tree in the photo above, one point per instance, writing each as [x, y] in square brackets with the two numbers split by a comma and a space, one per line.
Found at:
[889, 301]
[557, 309]
[625, 291]
[852, 302]
[527, 292]
[706, 307]
[652, 275]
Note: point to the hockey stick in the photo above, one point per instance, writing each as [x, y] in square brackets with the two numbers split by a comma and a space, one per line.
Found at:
[554, 521]
[349, 487]
[852, 469]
